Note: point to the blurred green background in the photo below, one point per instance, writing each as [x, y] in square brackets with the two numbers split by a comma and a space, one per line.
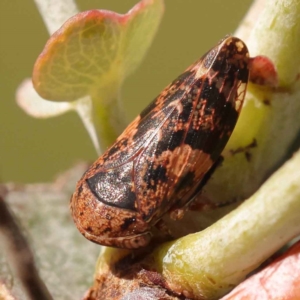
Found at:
[35, 150]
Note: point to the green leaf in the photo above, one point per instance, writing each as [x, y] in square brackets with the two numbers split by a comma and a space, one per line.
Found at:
[94, 51]
[90, 56]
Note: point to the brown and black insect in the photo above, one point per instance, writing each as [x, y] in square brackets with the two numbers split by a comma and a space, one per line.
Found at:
[158, 163]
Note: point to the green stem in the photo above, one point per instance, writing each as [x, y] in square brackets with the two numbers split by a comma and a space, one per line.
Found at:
[276, 34]
[209, 263]
[108, 115]
[56, 12]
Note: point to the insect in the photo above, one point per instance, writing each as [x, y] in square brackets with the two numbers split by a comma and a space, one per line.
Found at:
[157, 164]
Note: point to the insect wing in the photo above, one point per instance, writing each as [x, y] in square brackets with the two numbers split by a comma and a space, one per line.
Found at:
[189, 142]
[112, 178]
[159, 160]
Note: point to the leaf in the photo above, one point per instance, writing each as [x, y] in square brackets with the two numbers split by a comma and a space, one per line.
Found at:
[89, 57]
[94, 51]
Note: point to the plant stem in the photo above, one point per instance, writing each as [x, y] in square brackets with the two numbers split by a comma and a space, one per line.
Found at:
[211, 262]
[270, 117]
[56, 12]
[109, 118]
[276, 35]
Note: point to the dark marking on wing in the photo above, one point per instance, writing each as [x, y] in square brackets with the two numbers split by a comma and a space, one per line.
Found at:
[114, 187]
